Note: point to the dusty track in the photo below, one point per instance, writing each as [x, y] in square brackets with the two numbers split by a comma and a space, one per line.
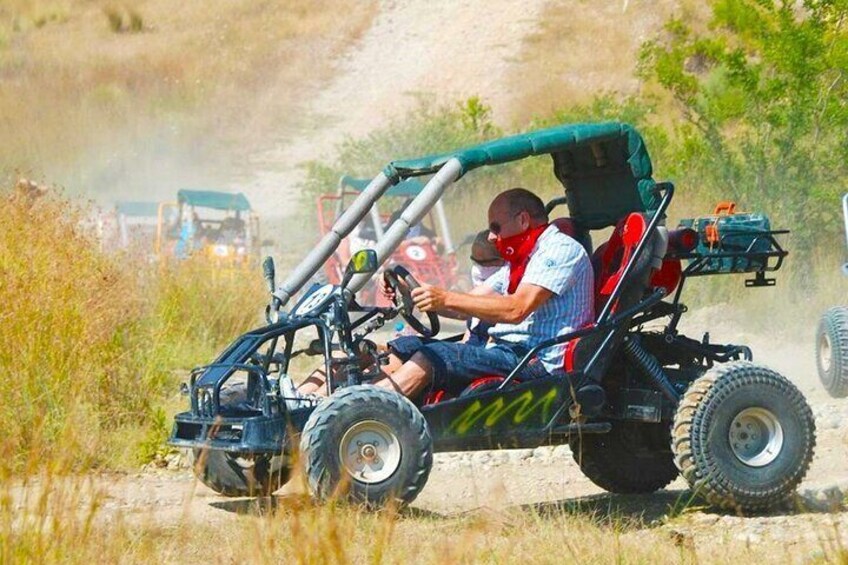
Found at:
[454, 49]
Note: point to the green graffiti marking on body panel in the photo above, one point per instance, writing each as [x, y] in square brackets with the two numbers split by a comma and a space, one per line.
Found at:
[523, 406]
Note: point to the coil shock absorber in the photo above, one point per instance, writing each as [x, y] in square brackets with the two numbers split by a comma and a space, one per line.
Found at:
[649, 366]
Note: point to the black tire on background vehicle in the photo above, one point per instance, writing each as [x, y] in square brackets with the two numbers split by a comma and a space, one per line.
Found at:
[369, 445]
[633, 458]
[832, 351]
[743, 437]
[238, 474]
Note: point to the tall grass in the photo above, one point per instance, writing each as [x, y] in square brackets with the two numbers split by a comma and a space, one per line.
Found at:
[91, 345]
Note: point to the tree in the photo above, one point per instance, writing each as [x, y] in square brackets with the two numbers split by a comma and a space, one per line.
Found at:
[764, 102]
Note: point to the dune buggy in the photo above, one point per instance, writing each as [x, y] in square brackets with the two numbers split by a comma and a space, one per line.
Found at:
[428, 256]
[638, 406]
[832, 339]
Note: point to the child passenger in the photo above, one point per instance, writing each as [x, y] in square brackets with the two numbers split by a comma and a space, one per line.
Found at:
[486, 261]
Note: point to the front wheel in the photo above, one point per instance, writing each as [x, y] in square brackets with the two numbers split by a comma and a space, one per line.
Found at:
[239, 474]
[743, 437]
[832, 351]
[369, 445]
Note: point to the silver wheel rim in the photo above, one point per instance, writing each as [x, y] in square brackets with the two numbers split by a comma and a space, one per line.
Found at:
[370, 452]
[756, 437]
[825, 353]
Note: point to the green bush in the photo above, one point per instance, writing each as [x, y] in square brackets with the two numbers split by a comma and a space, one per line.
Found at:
[762, 113]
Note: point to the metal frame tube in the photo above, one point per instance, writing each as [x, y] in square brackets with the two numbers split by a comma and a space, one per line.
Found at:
[340, 201]
[413, 214]
[442, 217]
[315, 259]
[377, 221]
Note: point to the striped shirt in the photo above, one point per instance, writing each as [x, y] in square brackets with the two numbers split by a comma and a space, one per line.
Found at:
[559, 264]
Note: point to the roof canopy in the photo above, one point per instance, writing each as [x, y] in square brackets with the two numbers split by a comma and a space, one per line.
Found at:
[406, 187]
[604, 167]
[214, 199]
[138, 209]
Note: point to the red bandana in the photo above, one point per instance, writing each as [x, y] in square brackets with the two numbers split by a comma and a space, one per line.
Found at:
[516, 251]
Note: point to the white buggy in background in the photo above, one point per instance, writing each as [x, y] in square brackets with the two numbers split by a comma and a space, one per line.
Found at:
[832, 338]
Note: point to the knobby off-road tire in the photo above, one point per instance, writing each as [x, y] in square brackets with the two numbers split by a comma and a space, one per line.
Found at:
[368, 445]
[633, 458]
[832, 351]
[238, 474]
[743, 437]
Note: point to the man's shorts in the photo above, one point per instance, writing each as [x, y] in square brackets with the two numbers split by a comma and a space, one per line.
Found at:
[457, 365]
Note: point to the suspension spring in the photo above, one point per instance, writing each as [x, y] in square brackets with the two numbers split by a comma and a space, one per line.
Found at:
[650, 367]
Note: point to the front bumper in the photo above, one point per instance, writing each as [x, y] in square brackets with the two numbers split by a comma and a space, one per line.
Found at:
[251, 434]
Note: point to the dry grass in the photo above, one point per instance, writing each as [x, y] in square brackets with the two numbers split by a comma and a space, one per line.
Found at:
[73, 521]
[89, 343]
[79, 99]
[584, 48]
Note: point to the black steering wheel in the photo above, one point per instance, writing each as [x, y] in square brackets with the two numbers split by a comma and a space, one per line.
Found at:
[402, 283]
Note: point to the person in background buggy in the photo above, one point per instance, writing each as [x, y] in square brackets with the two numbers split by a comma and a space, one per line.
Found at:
[418, 234]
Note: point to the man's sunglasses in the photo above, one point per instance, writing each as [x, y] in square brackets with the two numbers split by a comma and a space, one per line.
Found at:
[496, 228]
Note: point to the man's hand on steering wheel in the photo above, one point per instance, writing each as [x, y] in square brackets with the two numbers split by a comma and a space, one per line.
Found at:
[400, 287]
[429, 298]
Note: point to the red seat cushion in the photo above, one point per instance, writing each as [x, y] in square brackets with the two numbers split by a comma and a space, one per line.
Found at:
[611, 258]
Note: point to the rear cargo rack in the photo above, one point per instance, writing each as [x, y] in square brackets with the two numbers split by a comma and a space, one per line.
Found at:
[762, 254]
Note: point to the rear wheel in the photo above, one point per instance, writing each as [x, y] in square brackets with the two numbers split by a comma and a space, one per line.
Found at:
[832, 351]
[369, 445]
[632, 458]
[743, 437]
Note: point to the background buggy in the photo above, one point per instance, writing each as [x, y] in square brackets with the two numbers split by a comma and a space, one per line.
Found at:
[431, 258]
[214, 224]
[832, 339]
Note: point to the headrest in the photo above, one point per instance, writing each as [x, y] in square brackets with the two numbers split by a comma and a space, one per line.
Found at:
[566, 226]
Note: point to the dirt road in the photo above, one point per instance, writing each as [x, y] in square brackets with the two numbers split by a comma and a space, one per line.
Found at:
[443, 50]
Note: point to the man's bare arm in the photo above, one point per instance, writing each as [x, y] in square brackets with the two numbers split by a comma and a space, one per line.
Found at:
[480, 290]
[490, 307]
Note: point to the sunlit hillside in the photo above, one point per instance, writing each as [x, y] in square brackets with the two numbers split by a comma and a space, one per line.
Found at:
[113, 99]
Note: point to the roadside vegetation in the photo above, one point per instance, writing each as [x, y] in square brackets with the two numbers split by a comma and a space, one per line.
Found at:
[94, 345]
